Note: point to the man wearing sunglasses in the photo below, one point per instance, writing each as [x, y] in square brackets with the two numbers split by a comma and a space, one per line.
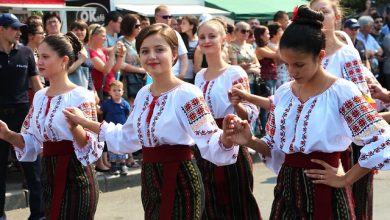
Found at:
[163, 15]
[17, 68]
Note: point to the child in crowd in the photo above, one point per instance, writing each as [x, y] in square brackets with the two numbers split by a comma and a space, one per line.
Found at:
[116, 110]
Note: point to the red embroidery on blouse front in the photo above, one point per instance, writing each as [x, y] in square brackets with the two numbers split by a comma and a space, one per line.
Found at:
[305, 124]
[139, 122]
[359, 115]
[283, 124]
[51, 118]
[156, 117]
[299, 110]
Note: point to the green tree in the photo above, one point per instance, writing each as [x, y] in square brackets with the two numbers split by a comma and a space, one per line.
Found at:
[355, 6]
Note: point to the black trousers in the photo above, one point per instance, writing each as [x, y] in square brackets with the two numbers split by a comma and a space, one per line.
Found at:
[14, 116]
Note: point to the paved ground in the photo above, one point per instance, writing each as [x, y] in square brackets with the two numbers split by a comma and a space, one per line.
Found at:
[126, 203]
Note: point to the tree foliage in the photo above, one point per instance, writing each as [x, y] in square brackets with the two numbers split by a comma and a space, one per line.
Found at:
[357, 6]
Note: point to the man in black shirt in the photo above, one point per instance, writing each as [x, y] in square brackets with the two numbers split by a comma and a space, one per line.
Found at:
[351, 27]
[17, 68]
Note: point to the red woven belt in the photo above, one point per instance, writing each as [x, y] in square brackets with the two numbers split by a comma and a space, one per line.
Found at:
[64, 151]
[170, 156]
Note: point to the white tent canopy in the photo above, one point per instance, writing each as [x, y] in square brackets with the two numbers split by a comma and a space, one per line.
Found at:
[177, 10]
[45, 7]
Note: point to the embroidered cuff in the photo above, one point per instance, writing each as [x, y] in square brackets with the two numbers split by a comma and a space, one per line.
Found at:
[101, 135]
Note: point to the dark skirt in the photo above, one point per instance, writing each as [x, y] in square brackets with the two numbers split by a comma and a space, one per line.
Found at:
[362, 190]
[294, 197]
[233, 197]
[81, 191]
[189, 195]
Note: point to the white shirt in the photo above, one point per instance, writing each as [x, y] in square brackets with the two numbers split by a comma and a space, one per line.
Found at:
[39, 127]
[181, 51]
[216, 92]
[328, 123]
[179, 117]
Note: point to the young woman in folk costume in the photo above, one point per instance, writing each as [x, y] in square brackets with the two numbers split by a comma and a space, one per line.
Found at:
[344, 61]
[228, 189]
[314, 118]
[70, 189]
[168, 117]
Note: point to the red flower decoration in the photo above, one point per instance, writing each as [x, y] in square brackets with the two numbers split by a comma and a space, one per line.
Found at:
[295, 14]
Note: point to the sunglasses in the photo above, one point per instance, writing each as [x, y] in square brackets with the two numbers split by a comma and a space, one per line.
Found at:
[137, 26]
[95, 29]
[166, 16]
[243, 31]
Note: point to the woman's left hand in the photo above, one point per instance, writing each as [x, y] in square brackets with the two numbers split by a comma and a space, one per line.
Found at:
[328, 176]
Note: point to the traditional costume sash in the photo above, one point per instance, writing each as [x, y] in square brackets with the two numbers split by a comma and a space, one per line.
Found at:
[170, 156]
[64, 151]
[323, 193]
[219, 174]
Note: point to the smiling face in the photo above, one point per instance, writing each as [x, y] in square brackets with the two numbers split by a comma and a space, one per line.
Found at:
[156, 55]
[301, 66]
[80, 33]
[49, 63]
[210, 37]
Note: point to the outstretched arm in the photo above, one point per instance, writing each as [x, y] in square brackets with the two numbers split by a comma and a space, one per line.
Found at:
[76, 117]
[10, 136]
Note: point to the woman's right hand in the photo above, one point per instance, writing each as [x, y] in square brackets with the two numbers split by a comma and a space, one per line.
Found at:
[74, 116]
[378, 92]
[4, 131]
[238, 131]
[238, 90]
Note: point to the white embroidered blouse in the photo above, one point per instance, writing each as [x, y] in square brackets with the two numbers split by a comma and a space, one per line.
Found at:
[177, 117]
[328, 122]
[216, 91]
[46, 122]
[346, 63]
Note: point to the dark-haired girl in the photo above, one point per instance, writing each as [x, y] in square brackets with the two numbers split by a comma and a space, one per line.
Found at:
[70, 190]
[169, 116]
[316, 116]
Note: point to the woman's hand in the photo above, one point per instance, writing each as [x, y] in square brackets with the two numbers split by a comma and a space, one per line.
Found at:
[236, 130]
[330, 176]
[74, 117]
[239, 91]
[378, 92]
[4, 131]
[83, 54]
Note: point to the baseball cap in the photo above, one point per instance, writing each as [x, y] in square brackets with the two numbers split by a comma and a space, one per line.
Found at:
[351, 23]
[10, 20]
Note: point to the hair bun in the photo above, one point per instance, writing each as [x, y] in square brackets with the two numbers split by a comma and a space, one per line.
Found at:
[75, 42]
[306, 16]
